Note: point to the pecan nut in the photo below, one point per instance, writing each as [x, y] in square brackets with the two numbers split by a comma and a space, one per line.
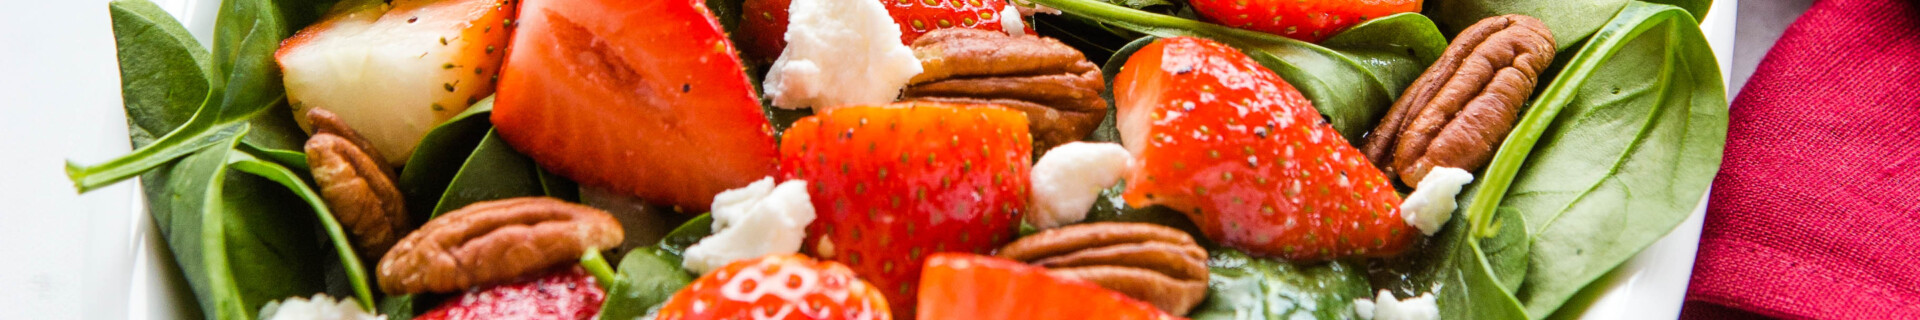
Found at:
[1052, 83]
[1459, 111]
[1160, 265]
[494, 242]
[356, 183]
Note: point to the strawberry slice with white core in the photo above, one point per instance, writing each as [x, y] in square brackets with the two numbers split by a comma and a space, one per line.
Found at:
[394, 70]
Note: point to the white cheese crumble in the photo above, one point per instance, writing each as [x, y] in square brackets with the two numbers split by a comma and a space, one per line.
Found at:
[1385, 307]
[321, 307]
[1013, 22]
[753, 221]
[1432, 203]
[840, 52]
[1068, 179]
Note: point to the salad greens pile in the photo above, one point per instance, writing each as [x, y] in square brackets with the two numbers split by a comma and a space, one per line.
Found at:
[1610, 155]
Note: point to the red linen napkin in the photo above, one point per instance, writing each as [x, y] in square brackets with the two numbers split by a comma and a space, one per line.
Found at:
[1816, 211]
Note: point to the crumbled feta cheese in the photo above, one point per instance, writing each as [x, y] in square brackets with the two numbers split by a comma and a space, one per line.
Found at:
[1068, 179]
[840, 52]
[1431, 204]
[321, 307]
[1010, 19]
[1385, 307]
[753, 221]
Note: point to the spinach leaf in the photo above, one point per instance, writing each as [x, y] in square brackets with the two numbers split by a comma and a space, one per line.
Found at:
[677, 241]
[1243, 287]
[1616, 152]
[228, 232]
[229, 235]
[199, 132]
[425, 177]
[494, 171]
[1353, 88]
[356, 271]
[1697, 8]
[164, 73]
[401, 307]
[1570, 21]
[241, 80]
[1507, 248]
[647, 277]
[650, 275]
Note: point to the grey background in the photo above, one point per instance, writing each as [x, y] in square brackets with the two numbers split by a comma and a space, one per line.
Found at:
[1759, 23]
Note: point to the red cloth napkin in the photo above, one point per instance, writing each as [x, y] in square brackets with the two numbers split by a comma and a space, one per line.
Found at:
[1816, 211]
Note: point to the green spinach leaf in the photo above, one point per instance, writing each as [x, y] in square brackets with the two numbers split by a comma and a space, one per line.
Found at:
[400, 307]
[242, 80]
[1570, 21]
[647, 277]
[229, 235]
[677, 241]
[1243, 287]
[426, 175]
[356, 271]
[1507, 248]
[164, 73]
[1616, 152]
[494, 171]
[228, 232]
[1353, 88]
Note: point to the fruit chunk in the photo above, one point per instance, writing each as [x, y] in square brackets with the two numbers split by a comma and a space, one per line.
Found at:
[642, 97]
[763, 29]
[1243, 154]
[892, 184]
[966, 286]
[1307, 20]
[787, 286]
[394, 70]
[566, 294]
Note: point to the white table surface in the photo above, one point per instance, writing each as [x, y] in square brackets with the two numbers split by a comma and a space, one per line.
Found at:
[58, 78]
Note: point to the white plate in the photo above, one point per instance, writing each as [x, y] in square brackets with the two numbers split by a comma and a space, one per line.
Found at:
[128, 274]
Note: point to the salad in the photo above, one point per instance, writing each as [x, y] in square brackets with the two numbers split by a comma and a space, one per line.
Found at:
[937, 159]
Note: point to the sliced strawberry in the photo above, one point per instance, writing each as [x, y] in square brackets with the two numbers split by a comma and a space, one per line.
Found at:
[643, 97]
[394, 70]
[789, 286]
[1307, 20]
[917, 17]
[763, 29]
[1247, 157]
[565, 294]
[967, 286]
[892, 184]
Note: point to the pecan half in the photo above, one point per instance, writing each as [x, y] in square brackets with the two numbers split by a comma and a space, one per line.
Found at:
[1052, 83]
[494, 242]
[1160, 265]
[1458, 112]
[359, 187]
